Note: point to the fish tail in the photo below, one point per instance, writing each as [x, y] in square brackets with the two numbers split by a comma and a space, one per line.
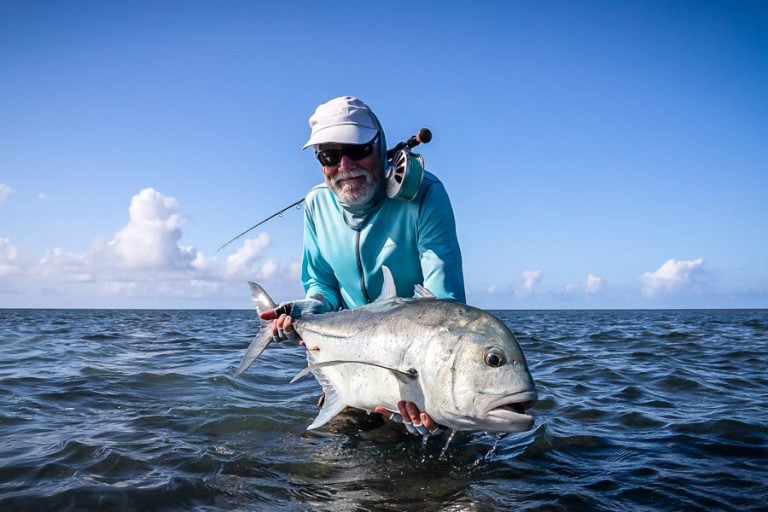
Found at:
[263, 302]
[260, 342]
[261, 299]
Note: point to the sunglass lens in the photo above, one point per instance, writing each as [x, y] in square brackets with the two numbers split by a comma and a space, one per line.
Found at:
[359, 152]
[332, 157]
[329, 157]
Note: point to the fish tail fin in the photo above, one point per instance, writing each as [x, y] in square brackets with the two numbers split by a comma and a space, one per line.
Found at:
[333, 404]
[263, 302]
[257, 346]
[261, 299]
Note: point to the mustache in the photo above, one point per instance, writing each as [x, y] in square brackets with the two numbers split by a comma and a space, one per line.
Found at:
[352, 173]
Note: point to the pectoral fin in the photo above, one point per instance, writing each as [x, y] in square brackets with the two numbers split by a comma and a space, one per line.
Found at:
[331, 407]
[411, 373]
[334, 403]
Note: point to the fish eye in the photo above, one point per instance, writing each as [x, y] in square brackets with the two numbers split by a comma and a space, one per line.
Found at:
[495, 358]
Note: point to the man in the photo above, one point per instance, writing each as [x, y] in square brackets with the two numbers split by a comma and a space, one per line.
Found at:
[352, 229]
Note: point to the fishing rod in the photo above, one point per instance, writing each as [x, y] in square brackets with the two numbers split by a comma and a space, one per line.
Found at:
[403, 176]
[276, 214]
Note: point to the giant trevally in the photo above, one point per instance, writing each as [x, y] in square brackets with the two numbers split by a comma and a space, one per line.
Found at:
[458, 363]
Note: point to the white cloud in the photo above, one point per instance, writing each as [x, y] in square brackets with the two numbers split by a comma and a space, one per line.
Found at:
[269, 269]
[144, 260]
[240, 263]
[8, 251]
[59, 262]
[531, 278]
[5, 191]
[150, 239]
[42, 196]
[671, 276]
[593, 285]
[201, 263]
[9, 258]
[294, 270]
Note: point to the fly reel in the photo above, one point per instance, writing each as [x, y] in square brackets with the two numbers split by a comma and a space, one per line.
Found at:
[404, 175]
[406, 169]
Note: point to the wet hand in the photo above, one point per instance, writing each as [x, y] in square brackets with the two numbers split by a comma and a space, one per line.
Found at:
[282, 324]
[283, 314]
[415, 421]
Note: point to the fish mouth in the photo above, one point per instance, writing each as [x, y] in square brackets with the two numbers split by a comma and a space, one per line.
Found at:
[516, 407]
[508, 412]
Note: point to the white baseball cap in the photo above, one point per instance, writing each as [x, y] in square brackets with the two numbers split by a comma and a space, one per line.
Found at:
[343, 120]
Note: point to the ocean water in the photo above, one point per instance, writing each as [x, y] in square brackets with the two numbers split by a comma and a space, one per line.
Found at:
[139, 410]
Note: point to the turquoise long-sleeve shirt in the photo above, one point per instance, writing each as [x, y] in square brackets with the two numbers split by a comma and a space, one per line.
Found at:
[416, 240]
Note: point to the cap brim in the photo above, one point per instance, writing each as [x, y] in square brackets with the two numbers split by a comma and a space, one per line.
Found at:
[342, 134]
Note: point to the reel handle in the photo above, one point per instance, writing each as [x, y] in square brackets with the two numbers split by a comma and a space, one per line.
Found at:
[423, 136]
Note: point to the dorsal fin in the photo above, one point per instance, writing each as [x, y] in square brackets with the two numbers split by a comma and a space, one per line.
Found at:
[388, 289]
[419, 292]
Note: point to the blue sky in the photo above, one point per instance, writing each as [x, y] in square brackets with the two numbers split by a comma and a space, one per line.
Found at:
[597, 154]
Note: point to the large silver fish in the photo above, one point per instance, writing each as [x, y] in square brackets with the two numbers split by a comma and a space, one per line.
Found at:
[458, 363]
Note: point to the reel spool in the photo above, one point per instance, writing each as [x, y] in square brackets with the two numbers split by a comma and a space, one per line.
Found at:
[406, 169]
[404, 175]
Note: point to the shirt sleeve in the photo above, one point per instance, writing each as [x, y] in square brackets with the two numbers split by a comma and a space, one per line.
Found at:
[316, 274]
[438, 245]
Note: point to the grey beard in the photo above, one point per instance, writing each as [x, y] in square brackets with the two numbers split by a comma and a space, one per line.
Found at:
[354, 194]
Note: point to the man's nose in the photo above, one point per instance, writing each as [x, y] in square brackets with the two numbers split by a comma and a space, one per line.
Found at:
[346, 162]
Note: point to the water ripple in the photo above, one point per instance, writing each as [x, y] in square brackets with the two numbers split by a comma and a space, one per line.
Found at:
[136, 410]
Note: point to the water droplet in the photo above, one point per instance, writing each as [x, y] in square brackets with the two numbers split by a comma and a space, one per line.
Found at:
[447, 442]
[497, 438]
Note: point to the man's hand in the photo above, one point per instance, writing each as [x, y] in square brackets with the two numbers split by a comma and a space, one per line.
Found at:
[282, 323]
[416, 422]
[284, 313]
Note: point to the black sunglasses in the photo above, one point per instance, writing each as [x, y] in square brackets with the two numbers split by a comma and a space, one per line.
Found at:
[332, 157]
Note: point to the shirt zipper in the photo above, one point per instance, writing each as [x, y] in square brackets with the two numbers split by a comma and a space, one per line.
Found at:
[360, 267]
